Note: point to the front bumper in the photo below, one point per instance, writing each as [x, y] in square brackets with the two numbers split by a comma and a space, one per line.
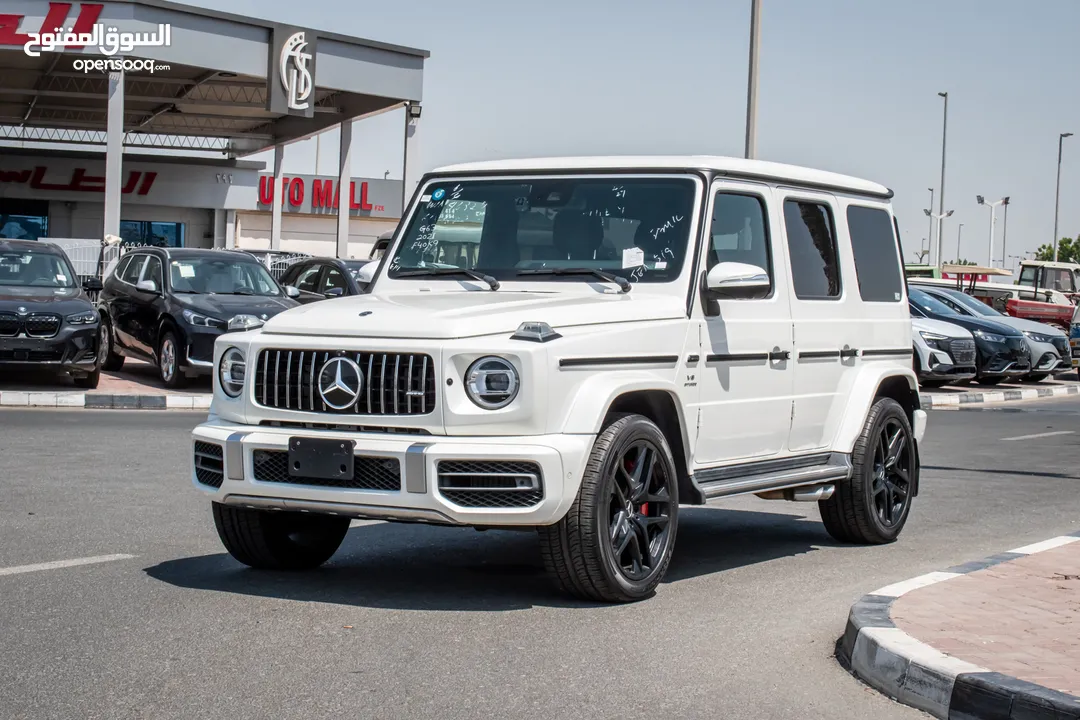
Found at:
[74, 347]
[561, 459]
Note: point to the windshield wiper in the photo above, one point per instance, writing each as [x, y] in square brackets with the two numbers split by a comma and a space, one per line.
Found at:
[623, 283]
[491, 282]
[239, 291]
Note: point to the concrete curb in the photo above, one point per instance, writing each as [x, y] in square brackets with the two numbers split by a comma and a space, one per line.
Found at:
[914, 673]
[936, 401]
[103, 401]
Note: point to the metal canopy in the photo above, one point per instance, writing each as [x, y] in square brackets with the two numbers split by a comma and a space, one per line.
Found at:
[212, 97]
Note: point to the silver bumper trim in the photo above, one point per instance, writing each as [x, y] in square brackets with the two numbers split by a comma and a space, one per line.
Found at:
[367, 512]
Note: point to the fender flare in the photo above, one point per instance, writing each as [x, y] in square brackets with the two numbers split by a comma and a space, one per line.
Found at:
[866, 387]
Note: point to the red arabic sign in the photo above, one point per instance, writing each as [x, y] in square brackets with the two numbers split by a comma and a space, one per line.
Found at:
[323, 194]
[56, 18]
[138, 182]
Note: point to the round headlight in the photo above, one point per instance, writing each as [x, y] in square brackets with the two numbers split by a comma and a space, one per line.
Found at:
[491, 383]
[231, 371]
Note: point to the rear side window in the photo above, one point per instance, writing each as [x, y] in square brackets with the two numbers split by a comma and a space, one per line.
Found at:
[811, 236]
[874, 248]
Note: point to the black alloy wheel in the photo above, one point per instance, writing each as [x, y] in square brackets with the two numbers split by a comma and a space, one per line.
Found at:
[639, 514]
[893, 463]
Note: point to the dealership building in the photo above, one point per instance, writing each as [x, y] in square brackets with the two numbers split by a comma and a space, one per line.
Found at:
[91, 95]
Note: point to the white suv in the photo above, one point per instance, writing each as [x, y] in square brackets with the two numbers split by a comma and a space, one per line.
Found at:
[580, 346]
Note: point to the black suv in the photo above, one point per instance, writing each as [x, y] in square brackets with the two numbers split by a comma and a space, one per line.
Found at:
[168, 305]
[45, 317]
[321, 278]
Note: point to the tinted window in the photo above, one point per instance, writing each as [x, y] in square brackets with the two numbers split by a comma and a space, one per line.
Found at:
[738, 232]
[815, 266]
[309, 278]
[333, 279]
[873, 246]
[976, 307]
[132, 270]
[153, 272]
[931, 305]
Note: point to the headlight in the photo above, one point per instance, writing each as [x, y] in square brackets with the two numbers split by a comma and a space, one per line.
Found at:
[1036, 337]
[84, 318]
[491, 382]
[938, 342]
[245, 322]
[989, 336]
[198, 320]
[231, 371]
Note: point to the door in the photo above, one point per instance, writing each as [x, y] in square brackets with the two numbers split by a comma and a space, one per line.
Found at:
[746, 371]
[124, 303]
[146, 306]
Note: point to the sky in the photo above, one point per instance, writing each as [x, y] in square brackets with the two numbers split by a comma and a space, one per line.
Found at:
[846, 85]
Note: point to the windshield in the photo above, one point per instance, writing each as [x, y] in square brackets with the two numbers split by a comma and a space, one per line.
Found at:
[930, 305]
[31, 268]
[975, 306]
[635, 227]
[219, 276]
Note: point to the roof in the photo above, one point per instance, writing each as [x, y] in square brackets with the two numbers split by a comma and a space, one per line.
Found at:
[7, 245]
[737, 167]
[973, 270]
[194, 252]
[1052, 264]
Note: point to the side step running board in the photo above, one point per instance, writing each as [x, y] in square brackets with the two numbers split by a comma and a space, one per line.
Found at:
[760, 477]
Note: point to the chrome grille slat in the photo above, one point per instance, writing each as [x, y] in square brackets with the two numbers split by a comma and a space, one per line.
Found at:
[383, 370]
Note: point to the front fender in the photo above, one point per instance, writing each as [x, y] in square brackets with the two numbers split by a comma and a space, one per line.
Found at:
[864, 389]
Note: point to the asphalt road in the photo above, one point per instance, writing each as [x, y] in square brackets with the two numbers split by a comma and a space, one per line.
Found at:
[422, 622]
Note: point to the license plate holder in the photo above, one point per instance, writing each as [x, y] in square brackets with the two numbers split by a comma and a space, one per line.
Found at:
[325, 459]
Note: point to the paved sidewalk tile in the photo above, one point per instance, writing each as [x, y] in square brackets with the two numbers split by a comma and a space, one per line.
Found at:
[1018, 618]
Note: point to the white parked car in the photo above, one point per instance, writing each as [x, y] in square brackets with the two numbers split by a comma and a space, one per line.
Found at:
[602, 340]
[944, 353]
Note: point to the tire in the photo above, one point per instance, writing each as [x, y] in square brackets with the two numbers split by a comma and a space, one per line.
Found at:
[856, 513]
[88, 381]
[273, 540]
[107, 358]
[1036, 377]
[168, 361]
[580, 552]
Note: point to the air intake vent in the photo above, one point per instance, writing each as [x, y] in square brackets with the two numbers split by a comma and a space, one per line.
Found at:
[209, 468]
[491, 483]
[369, 473]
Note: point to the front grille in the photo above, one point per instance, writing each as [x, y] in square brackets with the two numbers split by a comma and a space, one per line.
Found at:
[394, 383]
[209, 467]
[47, 355]
[341, 427]
[962, 351]
[369, 473]
[9, 325]
[41, 325]
[491, 483]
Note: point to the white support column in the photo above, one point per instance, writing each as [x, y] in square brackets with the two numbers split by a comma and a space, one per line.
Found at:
[114, 153]
[219, 228]
[232, 229]
[410, 173]
[344, 188]
[278, 200]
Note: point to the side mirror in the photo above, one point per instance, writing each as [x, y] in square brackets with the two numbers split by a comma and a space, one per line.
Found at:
[367, 273]
[740, 280]
[147, 286]
[93, 284]
[292, 291]
[335, 292]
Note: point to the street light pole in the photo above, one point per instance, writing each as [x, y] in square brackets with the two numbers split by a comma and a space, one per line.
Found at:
[941, 187]
[752, 80]
[1004, 232]
[1057, 193]
[959, 230]
[930, 235]
[993, 221]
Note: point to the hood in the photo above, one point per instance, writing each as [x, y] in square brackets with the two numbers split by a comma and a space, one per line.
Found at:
[447, 315]
[63, 301]
[1030, 325]
[977, 323]
[939, 327]
[224, 307]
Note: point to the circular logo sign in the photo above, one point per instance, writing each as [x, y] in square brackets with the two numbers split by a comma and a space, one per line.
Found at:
[340, 382]
[438, 194]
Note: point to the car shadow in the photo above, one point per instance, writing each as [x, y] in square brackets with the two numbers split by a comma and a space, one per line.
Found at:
[418, 567]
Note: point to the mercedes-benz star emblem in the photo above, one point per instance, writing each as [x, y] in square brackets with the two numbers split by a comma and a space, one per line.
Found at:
[21, 310]
[340, 382]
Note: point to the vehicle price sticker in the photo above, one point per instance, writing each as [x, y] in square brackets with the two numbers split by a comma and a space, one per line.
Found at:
[633, 257]
[186, 271]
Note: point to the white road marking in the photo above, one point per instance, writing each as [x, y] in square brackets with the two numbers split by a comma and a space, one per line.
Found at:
[57, 564]
[1041, 435]
[902, 588]
[1045, 545]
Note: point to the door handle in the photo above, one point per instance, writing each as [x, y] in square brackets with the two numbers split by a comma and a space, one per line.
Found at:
[848, 353]
[778, 355]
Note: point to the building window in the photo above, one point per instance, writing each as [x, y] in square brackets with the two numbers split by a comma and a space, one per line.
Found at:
[24, 219]
[874, 247]
[146, 232]
[815, 265]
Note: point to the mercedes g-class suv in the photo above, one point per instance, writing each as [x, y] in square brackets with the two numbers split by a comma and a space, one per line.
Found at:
[581, 346]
